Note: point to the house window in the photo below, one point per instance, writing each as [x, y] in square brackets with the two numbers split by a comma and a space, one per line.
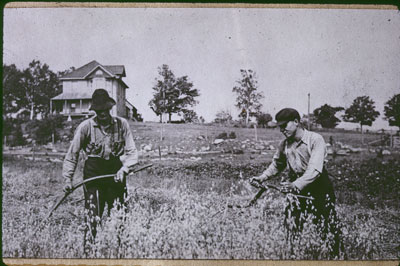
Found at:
[73, 107]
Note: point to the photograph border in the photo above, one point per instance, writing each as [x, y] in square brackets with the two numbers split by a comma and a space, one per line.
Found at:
[330, 4]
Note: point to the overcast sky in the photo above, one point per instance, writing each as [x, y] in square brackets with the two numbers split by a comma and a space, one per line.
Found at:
[333, 54]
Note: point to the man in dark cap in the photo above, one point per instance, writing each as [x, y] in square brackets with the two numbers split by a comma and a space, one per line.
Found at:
[303, 152]
[108, 148]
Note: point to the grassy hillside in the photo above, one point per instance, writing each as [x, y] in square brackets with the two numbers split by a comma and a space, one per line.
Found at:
[176, 134]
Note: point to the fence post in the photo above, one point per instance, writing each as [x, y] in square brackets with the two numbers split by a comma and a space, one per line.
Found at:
[255, 130]
[391, 140]
[33, 152]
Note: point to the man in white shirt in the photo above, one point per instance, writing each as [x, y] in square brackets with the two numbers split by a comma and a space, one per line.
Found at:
[303, 152]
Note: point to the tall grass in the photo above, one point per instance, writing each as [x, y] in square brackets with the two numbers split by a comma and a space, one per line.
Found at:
[177, 212]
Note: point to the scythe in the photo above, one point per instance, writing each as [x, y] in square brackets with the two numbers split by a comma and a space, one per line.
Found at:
[76, 186]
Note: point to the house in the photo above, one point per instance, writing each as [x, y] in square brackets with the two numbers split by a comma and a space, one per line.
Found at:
[79, 85]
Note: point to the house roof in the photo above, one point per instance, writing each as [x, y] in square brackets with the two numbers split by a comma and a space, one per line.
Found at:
[73, 96]
[83, 71]
[116, 70]
[129, 105]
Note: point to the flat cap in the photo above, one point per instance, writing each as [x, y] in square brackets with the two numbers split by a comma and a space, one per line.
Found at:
[285, 115]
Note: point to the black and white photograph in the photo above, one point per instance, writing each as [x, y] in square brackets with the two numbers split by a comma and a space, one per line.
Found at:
[201, 133]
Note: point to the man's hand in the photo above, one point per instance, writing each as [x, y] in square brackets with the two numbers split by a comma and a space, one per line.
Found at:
[121, 174]
[289, 187]
[256, 181]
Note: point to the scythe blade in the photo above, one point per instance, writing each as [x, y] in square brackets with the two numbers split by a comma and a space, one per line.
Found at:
[76, 186]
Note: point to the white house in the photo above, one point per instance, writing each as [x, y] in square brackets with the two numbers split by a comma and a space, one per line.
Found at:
[79, 85]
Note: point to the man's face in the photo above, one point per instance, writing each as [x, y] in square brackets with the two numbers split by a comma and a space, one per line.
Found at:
[103, 115]
[289, 129]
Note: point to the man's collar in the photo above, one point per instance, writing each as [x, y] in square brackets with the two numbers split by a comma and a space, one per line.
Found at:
[96, 124]
[305, 136]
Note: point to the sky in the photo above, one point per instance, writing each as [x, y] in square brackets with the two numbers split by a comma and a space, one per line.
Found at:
[335, 55]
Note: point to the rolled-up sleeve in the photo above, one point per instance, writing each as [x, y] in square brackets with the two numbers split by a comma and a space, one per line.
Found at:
[130, 157]
[315, 165]
[72, 156]
[278, 163]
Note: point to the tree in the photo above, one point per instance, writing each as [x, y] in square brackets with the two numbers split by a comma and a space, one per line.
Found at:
[305, 120]
[223, 116]
[202, 120]
[325, 116]
[65, 72]
[43, 130]
[11, 84]
[263, 119]
[361, 111]
[138, 117]
[248, 99]
[172, 95]
[190, 116]
[392, 111]
[12, 132]
[38, 85]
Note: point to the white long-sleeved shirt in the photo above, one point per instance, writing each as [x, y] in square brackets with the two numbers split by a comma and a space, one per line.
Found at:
[305, 157]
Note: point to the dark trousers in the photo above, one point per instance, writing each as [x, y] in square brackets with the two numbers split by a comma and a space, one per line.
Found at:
[99, 192]
[321, 209]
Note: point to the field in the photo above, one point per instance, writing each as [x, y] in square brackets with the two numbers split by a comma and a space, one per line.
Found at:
[186, 205]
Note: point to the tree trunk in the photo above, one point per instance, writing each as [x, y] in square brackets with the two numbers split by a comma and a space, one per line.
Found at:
[169, 117]
[247, 116]
[362, 135]
[160, 118]
[32, 110]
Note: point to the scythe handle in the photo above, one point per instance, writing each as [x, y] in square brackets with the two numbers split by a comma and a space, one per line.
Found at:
[264, 187]
[76, 186]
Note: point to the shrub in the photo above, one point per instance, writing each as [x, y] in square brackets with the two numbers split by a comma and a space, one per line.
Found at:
[222, 135]
[225, 135]
[71, 127]
[263, 119]
[12, 130]
[42, 130]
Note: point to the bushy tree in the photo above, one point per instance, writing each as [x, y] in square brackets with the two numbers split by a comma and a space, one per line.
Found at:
[139, 117]
[223, 116]
[248, 99]
[325, 116]
[11, 84]
[43, 130]
[392, 111]
[263, 119]
[29, 89]
[39, 85]
[361, 111]
[190, 116]
[172, 95]
[304, 121]
[12, 132]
